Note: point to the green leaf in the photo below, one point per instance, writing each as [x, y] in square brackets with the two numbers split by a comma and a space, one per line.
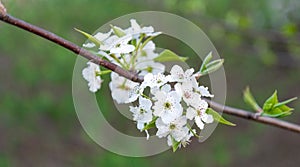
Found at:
[283, 108]
[118, 31]
[168, 55]
[175, 144]
[218, 117]
[282, 114]
[212, 66]
[249, 99]
[151, 124]
[270, 102]
[206, 61]
[273, 108]
[280, 111]
[90, 37]
[285, 102]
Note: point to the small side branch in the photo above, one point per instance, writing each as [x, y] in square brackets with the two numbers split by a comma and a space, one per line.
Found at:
[252, 116]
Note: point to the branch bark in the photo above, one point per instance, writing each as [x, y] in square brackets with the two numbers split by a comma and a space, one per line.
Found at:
[132, 76]
[252, 116]
[67, 44]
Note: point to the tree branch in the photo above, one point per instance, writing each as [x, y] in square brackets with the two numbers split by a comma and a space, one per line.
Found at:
[252, 116]
[129, 75]
[66, 44]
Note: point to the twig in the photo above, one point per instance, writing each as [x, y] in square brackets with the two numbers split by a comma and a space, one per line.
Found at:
[252, 116]
[68, 45]
[132, 76]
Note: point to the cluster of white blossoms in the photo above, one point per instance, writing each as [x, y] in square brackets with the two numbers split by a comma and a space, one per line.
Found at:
[132, 49]
[173, 101]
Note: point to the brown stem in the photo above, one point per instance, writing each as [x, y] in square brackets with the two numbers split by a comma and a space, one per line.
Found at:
[252, 116]
[132, 76]
[69, 45]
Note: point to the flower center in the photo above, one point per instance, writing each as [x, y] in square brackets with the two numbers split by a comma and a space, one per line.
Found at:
[172, 126]
[118, 45]
[187, 95]
[167, 105]
[142, 111]
[180, 76]
[199, 113]
[124, 87]
[149, 69]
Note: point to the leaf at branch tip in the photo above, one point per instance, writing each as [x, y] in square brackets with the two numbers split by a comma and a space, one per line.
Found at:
[175, 144]
[168, 55]
[118, 31]
[212, 66]
[282, 114]
[218, 117]
[285, 102]
[249, 99]
[90, 37]
[206, 61]
[273, 108]
[270, 102]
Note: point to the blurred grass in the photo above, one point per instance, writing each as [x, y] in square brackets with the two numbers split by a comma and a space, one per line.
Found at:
[38, 124]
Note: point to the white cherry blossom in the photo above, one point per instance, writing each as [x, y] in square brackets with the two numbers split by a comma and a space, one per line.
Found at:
[185, 90]
[120, 88]
[90, 74]
[167, 106]
[176, 128]
[117, 45]
[178, 75]
[183, 142]
[154, 80]
[142, 114]
[199, 114]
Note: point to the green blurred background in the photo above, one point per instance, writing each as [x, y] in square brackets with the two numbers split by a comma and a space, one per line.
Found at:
[260, 41]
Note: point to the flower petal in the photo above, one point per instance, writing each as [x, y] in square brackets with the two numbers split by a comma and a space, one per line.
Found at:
[190, 113]
[199, 123]
[122, 49]
[145, 103]
[207, 118]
